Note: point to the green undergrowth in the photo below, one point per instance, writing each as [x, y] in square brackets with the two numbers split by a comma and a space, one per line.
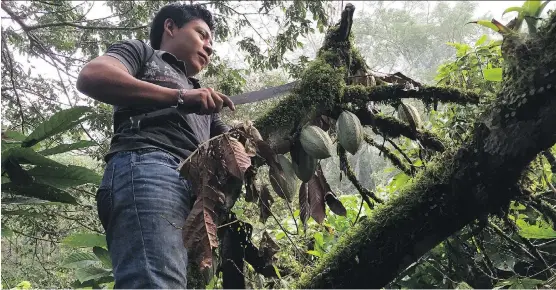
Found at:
[398, 209]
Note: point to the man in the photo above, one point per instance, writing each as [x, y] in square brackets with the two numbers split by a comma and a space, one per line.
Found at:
[142, 201]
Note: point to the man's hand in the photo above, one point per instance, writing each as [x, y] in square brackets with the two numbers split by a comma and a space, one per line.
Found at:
[206, 101]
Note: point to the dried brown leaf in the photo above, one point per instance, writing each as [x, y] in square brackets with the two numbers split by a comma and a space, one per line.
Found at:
[268, 247]
[304, 206]
[236, 159]
[199, 231]
[316, 199]
[190, 168]
[324, 184]
[265, 201]
[268, 154]
[335, 204]
[251, 191]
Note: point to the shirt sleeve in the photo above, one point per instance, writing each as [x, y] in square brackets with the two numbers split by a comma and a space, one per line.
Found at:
[131, 53]
[217, 126]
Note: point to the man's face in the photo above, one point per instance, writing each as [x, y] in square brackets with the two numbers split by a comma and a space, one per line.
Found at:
[192, 44]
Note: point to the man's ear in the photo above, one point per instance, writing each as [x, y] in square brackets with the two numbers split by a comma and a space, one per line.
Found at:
[169, 27]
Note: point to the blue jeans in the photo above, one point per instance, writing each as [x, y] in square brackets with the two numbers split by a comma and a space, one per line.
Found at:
[143, 203]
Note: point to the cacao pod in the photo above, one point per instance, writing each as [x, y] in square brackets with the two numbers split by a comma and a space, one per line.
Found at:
[303, 164]
[350, 132]
[409, 114]
[285, 184]
[316, 142]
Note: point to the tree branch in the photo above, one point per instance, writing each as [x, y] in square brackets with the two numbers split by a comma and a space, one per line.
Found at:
[394, 128]
[361, 94]
[391, 156]
[346, 168]
[89, 27]
[18, 99]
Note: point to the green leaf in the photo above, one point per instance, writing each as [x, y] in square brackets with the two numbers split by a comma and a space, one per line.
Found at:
[280, 235]
[5, 232]
[513, 9]
[79, 260]
[526, 283]
[486, 23]
[481, 40]
[91, 273]
[40, 191]
[28, 156]
[85, 240]
[13, 135]
[314, 253]
[493, 74]
[535, 231]
[104, 256]
[277, 272]
[463, 285]
[530, 7]
[23, 285]
[67, 147]
[59, 122]
[64, 177]
[541, 8]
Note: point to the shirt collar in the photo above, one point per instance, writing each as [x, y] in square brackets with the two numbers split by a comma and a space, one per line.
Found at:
[172, 59]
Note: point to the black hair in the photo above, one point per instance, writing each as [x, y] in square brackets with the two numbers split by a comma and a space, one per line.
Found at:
[181, 14]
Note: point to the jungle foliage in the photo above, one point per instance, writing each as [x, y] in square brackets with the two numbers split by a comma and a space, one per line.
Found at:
[503, 234]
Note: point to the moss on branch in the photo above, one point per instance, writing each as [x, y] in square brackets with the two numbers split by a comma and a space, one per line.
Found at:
[320, 88]
[394, 128]
[390, 155]
[360, 94]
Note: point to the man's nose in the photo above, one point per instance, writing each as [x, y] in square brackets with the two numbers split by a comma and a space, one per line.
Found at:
[208, 49]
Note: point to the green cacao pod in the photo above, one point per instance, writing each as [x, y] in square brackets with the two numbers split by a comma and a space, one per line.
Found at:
[303, 164]
[409, 114]
[285, 185]
[316, 142]
[350, 132]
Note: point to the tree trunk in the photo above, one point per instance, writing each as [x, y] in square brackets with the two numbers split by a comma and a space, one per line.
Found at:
[460, 185]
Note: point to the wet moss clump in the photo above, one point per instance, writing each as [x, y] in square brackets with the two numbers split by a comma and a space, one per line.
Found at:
[392, 94]
[320, 88]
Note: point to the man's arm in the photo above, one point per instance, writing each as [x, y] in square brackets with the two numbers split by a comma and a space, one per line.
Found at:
[110, 78]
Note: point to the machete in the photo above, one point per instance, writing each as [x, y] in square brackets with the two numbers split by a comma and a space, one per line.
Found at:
[245, 98]
[263, 94]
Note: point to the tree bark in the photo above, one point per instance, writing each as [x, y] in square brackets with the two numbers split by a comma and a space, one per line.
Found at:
[460, 185]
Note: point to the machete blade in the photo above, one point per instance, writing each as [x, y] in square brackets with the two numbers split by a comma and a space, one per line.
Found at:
[263, 94]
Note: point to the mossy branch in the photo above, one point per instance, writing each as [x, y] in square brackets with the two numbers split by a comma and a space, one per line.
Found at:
[458, 186]
[346, 168]
[390, 155]
[394, 128]
[361, 94]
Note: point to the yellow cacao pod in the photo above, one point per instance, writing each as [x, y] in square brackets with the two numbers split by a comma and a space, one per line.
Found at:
[316, 142]
[350, 132]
